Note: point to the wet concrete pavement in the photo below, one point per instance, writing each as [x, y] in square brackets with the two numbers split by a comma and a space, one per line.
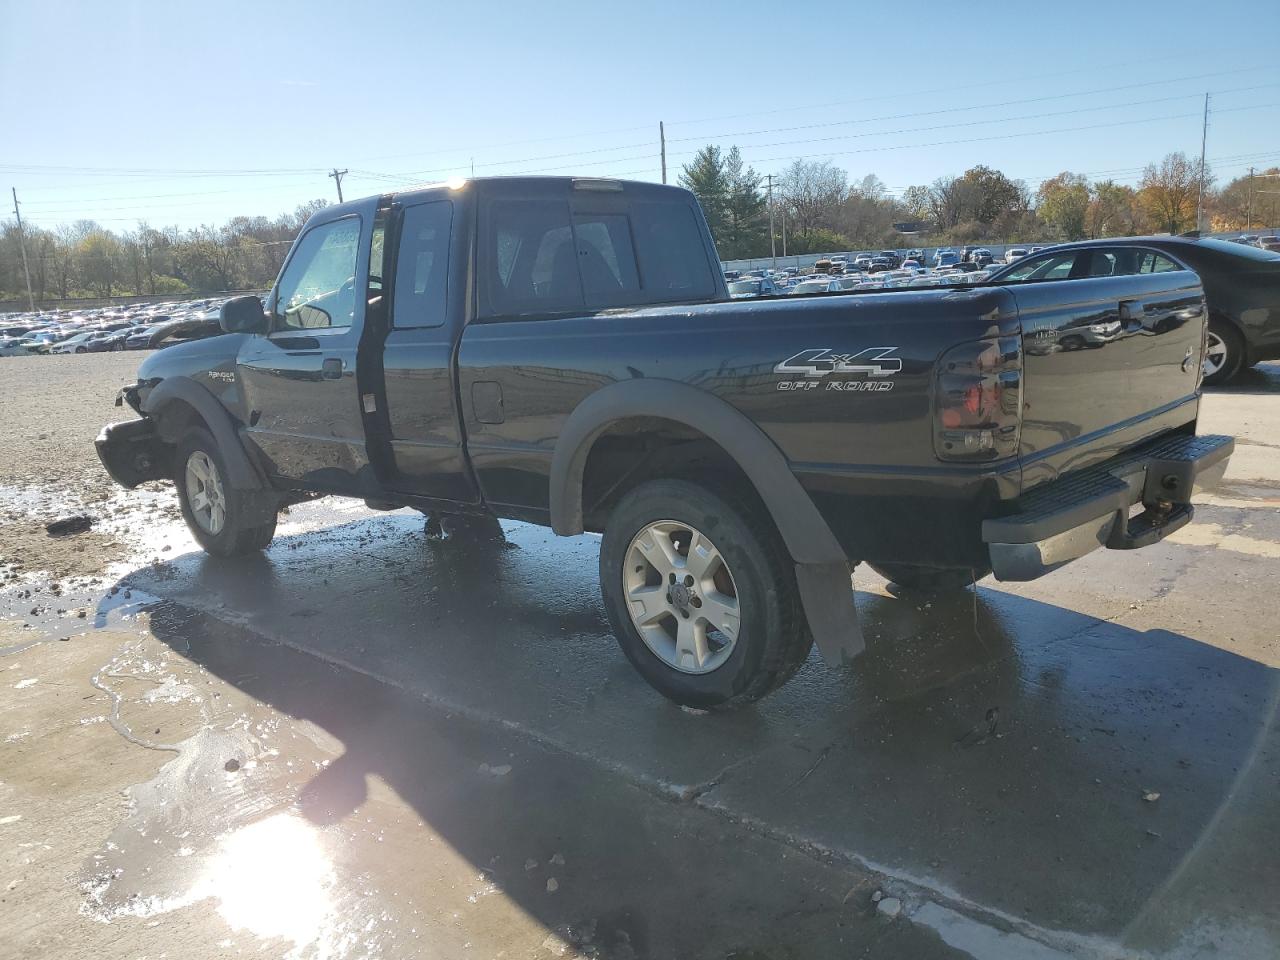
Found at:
[421, 731]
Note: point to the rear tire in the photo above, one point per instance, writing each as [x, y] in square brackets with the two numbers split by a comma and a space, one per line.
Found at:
[919, 578]
[701, 594]
[1224, 353]
[226, 522]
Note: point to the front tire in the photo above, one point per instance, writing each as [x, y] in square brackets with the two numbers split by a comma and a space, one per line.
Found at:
[1224, 353]
[701, 594]
[918, 578]
[226, 522]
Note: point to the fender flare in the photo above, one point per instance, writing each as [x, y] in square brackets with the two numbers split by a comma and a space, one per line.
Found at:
[243, 475]
[822, 569]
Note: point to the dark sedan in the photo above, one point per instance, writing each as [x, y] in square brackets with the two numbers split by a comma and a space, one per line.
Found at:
[1241, 285]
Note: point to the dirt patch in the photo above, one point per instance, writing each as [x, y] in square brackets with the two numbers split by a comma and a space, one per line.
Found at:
[28, 548]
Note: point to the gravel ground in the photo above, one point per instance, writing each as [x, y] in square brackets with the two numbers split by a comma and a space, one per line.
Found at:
[54, 407]
[48, 443]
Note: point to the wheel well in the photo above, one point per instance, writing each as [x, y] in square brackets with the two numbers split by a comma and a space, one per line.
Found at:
[175, 418]
[638, 449]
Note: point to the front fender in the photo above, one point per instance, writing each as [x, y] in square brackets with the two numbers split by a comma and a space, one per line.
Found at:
[243, 474]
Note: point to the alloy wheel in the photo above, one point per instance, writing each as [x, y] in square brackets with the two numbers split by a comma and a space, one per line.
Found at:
[205, 494]
[681, 596]
[1215, 354]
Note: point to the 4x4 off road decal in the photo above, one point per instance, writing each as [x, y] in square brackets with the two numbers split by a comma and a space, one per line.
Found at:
[816, 364]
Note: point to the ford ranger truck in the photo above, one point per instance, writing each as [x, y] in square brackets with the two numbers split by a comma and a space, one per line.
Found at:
[564, 352]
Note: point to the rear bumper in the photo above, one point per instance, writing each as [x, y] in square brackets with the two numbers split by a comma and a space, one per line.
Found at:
[1062, 521]
[132, 452]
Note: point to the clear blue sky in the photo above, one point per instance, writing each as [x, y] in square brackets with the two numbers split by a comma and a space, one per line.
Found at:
[184, 113]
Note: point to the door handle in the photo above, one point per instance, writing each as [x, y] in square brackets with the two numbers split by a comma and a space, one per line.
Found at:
[331, 369]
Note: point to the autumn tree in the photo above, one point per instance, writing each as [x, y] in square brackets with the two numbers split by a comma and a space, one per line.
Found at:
[1169, 190]
[813, 191]
[1113, 211]
[1242, 202]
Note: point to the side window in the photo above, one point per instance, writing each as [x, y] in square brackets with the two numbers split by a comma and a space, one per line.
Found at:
[422, 266]
[1054, 266]
[1106, 263]
[318, 287]
[1156, 263]
[530, 265]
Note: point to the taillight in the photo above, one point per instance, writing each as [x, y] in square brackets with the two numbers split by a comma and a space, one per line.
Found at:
[978, 399]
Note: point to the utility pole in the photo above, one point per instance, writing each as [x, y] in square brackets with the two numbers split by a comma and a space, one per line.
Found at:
[337, 176]
[784, 231]
[773, 252]
[22, 244]
[662, 146]
[1204, 136]
[1250, 224]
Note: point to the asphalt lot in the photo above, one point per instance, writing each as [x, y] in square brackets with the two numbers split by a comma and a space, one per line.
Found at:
[367, 744]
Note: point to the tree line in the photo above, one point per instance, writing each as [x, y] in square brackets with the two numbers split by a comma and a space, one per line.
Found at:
[819, 209]
[84, 259]
[814, 203]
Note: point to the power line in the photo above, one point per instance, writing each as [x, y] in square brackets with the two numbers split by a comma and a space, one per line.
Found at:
[984, 106]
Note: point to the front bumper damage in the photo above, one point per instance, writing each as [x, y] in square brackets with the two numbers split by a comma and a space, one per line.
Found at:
[132, 452]
[1064, 520]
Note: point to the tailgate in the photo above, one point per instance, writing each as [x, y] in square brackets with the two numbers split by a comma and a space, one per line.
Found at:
[1109, 362]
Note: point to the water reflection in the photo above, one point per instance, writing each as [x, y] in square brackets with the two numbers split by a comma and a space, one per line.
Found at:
[272, 879]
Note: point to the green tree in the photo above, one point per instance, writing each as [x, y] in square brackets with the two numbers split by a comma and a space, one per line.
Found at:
[705, 177]
[1064, 204]
[746, 221]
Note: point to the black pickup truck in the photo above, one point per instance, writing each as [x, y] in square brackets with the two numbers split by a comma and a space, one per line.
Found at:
[564, 352]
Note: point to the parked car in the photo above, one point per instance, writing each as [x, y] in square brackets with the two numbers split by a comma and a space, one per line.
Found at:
[15, 347]
[892, 257]
[140, 339]
[1269, 243]
[701, 437]
[981, 256]
[945, 258]
[1014, 254]
[112, 340]
[745, 289]
[1241, 286]
[817, 285]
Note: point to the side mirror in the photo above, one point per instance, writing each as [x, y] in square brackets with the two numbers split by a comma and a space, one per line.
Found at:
[243, 315]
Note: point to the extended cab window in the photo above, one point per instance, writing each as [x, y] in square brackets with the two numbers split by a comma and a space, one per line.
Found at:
[422, 266]
[318, 288]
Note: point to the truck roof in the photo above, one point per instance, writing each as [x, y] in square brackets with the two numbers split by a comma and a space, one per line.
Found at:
[586, 184]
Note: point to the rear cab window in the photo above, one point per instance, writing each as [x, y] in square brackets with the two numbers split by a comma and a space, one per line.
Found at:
[581, 251]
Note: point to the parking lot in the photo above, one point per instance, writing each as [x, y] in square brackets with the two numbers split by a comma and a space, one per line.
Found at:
[367, 743]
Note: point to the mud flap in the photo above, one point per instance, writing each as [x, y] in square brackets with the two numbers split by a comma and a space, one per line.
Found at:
[826, 592]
